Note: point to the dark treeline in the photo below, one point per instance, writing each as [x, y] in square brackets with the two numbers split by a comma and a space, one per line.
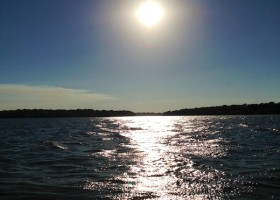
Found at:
[148, 114]
[41, 113]
[245, 109]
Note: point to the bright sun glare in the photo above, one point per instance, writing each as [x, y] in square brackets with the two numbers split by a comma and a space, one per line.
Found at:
[150, 13]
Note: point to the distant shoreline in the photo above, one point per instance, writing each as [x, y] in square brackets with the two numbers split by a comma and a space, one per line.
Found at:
[47, 113]
[245, 109]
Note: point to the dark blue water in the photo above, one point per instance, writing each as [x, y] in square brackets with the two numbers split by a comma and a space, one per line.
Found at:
[219, 157]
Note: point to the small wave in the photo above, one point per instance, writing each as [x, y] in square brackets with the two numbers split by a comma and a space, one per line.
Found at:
[276, 130]
[127, 128]
[89, 133]
[243, 125]
[262, 130]
[55, 145]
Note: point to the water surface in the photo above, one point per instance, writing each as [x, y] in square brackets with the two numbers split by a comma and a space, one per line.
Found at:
[216, 157]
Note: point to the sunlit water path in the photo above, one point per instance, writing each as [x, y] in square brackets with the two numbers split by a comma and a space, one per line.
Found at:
[217, 157]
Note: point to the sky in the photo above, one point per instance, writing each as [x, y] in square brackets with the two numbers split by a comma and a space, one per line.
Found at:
[69, 54]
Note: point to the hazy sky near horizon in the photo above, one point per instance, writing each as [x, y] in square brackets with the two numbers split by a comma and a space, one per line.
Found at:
[95, 54]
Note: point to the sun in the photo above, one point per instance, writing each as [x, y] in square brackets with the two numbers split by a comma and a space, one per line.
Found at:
[150, 13]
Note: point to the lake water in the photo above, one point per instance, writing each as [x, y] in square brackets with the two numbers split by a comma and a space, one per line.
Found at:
[204, 157]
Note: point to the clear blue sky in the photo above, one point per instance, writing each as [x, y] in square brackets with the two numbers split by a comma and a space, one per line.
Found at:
[95, 54]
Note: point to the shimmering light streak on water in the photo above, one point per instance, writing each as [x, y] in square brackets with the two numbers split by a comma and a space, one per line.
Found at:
[162, 168]
[149, 175]
[218, 157]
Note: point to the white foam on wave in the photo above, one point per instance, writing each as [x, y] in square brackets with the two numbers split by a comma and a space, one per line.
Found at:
[55, 144]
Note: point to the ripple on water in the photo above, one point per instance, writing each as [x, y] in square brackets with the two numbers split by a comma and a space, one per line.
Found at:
[216, 157]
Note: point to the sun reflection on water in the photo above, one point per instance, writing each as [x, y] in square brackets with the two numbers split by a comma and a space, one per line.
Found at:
[164, 167]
